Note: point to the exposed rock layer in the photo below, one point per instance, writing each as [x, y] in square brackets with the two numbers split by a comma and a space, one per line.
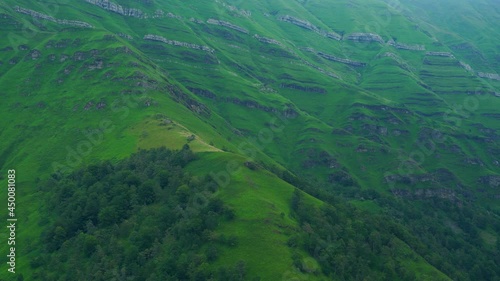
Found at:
[152, 37]
[228, 25]
[52, 19]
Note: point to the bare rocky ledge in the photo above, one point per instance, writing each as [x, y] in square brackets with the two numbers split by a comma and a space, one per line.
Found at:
[228, 25]
[404, 46]
[298, 22]
[240, 12]
[196, 21]
[116, 8]
[401, 62]
[39, 15]
[491, 181]
[152, 37]
[466, 66]
[365, 37]
[125, 36]
[309, 26]
[333, 75]
[267, 40]
[492, 76]
[440, 54]
[341, 60]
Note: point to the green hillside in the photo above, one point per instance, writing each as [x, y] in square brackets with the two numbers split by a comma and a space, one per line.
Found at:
[347, 140]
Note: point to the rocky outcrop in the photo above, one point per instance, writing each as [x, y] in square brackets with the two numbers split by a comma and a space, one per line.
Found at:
[474, 162]
[438, 177]
[331, 35]
[360, 117]
[490, 132]
[440, 54]
[38, 15]
[287, 112]
[341, 60]
[491, 181]
[196, 21]
[233, 9]
[116, 8]
[374, 129]
[267, 40]
[298, 22]
[309, 26]
[125, 36]
[462, 46]
[343, 178]
[267, 89]
[362, 149]
[79, 56]
[97, 64]
[365, 37]
[318, 158]
[202, 93]
[491, 115]
[402, 63]
[400, 132]
[442, 193]
[101, 105]
[408, 179]
[228, 25]
[466, 66]
[492, 76]
[250, 104]
[88, 105]
[290, 113]
[382, 108]
[60, 44]
[187, 101]
[333, 75]
[158, 38]
[404, 46]
[160, 14]
[35, 54]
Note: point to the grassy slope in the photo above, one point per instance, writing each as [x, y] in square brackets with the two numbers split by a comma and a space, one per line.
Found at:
[244, 66]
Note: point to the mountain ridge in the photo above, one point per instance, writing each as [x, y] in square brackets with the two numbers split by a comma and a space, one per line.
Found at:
[362, 99]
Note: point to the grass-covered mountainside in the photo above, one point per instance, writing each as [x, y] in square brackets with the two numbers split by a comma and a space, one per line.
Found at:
[305, 140]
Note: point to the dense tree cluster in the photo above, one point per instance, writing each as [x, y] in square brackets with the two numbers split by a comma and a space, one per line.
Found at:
[146, 218]
[142, 219]
[449, 235]
[349, 245]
